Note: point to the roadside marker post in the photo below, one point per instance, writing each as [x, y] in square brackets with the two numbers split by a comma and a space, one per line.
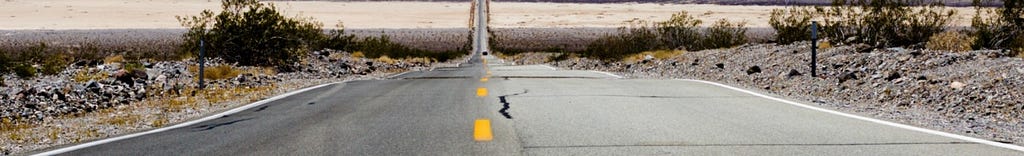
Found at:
[202, 63]
[814, 48]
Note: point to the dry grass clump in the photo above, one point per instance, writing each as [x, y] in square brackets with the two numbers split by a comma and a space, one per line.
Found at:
[386, 59]
[113, 59]
[424, 60]
[950, 41]
[824, 44]
[358, 54]
[160, 121]
[7, 124]
[217, 72]
[120, 119]
[86, 75]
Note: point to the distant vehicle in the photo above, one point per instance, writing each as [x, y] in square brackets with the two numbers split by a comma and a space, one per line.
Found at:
[485, 53]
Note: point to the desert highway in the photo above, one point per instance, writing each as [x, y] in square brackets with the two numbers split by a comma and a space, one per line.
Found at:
[486, 106]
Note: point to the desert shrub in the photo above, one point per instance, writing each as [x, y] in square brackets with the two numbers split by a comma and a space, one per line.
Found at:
[680, 31]
[375, 47]
[5, 63]
[724, 34]
[999, 28]
[634, 39]
[881, 23]
[337, 39]
[54, 63]
[791, 25]
[133, 66]
[250, 33]
[24, 71]
[950, 41]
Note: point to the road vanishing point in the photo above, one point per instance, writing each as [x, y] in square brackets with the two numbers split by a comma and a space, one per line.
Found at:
[486, 106]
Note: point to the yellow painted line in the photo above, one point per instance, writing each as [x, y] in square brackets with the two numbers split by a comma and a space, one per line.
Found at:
[481, 92]
[483, 79]
[482, 130]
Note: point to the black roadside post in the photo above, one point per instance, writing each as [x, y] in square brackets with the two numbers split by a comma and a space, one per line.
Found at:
[202, 63]
[814, 48]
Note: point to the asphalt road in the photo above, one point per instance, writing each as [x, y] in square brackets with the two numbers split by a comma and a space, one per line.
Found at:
[534, 110]
[488, 107]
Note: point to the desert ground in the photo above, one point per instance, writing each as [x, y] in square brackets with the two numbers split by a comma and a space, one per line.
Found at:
[160, 14]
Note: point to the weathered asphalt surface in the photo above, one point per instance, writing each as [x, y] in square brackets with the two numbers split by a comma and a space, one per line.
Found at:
[553, 112]
[534, 110]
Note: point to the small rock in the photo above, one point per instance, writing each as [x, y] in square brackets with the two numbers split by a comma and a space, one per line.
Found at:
[720, 65]
[793, 72]
[957, 85]
[848, 76]
[753, 69]
[893, 76]
[94, 86]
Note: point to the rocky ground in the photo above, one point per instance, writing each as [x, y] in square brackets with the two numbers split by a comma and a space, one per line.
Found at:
[96, 100]
[975, 93]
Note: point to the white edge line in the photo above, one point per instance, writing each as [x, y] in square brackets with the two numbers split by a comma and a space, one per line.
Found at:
[883, 122]
[189, 123]
[403, 73]
[549, 67]
[607, 73]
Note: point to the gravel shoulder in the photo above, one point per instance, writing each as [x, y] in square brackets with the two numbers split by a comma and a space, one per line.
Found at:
[973, 93]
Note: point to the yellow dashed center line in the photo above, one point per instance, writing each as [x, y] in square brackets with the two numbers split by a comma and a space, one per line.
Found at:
[481, 92]
[483, 79]
[482, 130]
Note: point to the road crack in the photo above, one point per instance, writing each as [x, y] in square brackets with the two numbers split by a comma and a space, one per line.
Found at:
[505, 105]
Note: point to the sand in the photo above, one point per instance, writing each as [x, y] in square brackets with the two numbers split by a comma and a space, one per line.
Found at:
[160, 14]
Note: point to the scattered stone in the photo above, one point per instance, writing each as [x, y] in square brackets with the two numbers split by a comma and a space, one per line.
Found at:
[753, 69]
[793, 72]
[720, 65]
[893, 76]
[957, 85]
[848, 76]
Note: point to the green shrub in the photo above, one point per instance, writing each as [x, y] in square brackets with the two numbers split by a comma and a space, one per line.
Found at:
[680, 31]
[882, 23]
[251, 33]
[54, 64]
[134, 66]
[337, 39]
[724, 34]
[634, 39]
[5, 63]
[24, 71]
[791, 25]
[1002, 28]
